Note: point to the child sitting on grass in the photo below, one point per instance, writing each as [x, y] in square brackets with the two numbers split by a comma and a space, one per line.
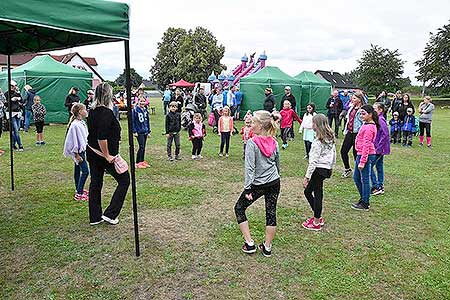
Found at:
[287, 117]
[225, 128]
[197, 132]
[262, 178]
[39, 113]
[75, 147]
[141, 129]
[246, 132]
[322, 159]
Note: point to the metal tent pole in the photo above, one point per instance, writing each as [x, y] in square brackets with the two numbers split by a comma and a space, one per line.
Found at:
[11, 143]
[131, 145]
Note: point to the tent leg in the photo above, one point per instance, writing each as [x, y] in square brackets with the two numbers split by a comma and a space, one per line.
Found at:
[11, 143]
[131, 146]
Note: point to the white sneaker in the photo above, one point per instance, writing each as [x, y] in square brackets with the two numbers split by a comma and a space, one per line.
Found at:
[111, 221]
[96, 223]
[194, 157]
[199, 156]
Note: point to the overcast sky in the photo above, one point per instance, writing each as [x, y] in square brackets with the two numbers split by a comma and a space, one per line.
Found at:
[296, 35]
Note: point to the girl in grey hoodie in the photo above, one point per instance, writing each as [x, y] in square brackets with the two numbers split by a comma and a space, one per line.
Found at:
[262, 178]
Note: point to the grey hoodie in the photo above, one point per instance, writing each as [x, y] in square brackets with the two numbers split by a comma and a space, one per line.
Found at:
[262, 165]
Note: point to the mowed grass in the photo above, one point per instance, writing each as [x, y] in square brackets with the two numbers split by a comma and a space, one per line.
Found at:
[190, 242]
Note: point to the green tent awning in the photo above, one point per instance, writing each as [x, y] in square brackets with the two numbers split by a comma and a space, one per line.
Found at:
[314, 90]
[36, 25]
[253, 87]
[51, 80]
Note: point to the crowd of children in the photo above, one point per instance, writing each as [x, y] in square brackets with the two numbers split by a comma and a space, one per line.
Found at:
[366, 130]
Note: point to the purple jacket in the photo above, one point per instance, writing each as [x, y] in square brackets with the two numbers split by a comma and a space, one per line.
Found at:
[382, 139]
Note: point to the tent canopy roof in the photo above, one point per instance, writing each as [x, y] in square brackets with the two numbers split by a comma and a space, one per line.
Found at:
[271, 74]
[310, 77]
[182, 83]
[45, 65]
[35, 26]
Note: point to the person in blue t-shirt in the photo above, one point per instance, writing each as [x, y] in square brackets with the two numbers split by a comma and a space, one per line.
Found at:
[166, 99]
[238, 97]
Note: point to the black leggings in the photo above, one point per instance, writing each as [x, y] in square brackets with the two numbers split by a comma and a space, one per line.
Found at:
[308, 145]
[197, 144]
[347, 144]
[284, 134]
[270, 191]
[225, 141]
[425, 127]
[315, 186]
[335, 117]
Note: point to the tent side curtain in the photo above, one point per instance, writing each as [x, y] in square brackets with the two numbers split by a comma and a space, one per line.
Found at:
[34, 25]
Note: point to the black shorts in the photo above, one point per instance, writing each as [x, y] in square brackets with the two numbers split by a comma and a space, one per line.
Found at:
[39, 126]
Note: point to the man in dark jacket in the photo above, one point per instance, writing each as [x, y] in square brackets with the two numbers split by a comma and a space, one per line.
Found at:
[16, 112]
[291, 98]
[173, 127]
[269, 102]
[71, 99]
[398, 99]
[334, 106]
[200, 101]
[29, 101]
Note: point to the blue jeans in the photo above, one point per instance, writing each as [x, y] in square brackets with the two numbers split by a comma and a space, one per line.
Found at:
[165, 106]
[362, 177]
[378, 179]
[28, 115]
[81, 173]
[15, 132]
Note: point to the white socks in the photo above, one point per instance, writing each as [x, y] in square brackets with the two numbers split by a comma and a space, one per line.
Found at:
[250, 243]
[268, 248]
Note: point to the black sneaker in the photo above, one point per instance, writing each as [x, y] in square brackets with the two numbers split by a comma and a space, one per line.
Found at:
[264, 250]
[177, 157]
[378, 191]
[347, 173]
[361, 206]
[169, 158]
[246, 248]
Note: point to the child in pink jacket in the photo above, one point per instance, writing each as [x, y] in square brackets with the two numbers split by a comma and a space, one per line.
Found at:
[287, 117]
[365, 148]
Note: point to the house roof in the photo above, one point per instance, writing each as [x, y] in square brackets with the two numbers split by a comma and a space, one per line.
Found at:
[20, 59]
[336, 79]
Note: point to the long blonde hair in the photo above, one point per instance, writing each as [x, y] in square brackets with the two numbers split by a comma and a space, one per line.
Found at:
[324, 133]
[268, 121]
[103, 96]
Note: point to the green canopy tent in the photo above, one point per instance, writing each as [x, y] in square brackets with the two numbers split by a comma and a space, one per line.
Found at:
[52, 81]
[35, 26]
[253, 86]
[314, 89]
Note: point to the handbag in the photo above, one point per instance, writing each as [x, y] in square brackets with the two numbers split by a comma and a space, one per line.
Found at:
[120, 164]
[211, 120]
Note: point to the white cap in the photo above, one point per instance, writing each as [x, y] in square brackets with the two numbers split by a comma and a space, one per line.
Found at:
[287, 88]
[12, 82]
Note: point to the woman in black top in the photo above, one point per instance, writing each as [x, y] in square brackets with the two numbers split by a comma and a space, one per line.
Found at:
[71, 98]
[104, 136]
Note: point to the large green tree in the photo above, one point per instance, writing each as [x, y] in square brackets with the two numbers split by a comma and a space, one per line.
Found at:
[136, 79]
[434, 67]
[189, 55]
[379, 69]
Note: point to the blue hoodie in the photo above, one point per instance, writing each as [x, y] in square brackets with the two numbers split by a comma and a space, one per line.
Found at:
[141, 121]
[409, 123]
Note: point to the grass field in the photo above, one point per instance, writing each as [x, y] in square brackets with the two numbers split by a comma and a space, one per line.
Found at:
[190, 241]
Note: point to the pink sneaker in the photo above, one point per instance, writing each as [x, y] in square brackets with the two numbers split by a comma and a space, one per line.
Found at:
[146, 164]
[78, 197]
[311, 220]
[311, 226]
[85, 192]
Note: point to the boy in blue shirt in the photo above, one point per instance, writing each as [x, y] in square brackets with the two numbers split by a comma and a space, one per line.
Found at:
[408, 128]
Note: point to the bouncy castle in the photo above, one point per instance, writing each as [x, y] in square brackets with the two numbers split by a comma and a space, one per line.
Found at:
[245, 68]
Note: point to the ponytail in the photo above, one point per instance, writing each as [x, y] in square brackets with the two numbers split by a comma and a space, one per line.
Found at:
[269, 121]
[369, 109]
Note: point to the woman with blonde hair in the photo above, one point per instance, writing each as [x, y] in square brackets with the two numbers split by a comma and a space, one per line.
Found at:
[104, 136]
[262, 178]
[322, 159]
